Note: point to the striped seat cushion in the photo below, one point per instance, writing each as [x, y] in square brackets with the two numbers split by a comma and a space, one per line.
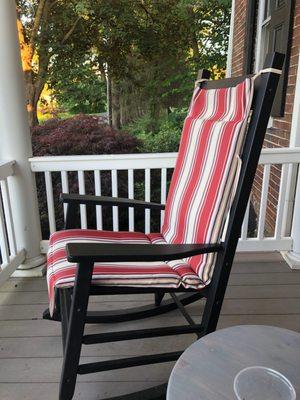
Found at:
[198, 202]
[204, 178]
[61, 273]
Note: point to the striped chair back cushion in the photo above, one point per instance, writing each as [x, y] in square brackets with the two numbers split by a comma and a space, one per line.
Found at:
[205, 174]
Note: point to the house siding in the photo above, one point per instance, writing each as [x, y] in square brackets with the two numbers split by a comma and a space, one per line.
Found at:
[279, 134]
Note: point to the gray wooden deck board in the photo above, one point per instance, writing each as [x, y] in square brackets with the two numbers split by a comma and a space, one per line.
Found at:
[30, 348]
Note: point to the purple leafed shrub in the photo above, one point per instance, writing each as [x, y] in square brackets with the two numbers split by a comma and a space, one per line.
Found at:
[80, 135]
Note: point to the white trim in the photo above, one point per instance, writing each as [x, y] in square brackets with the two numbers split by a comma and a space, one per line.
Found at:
[103, 162]
[292, 200]
[267, 70]
[6, 169]
[292, 259]
[283, 156]
[295, 128]
[37, 272]
[294, 142]
[258, 42]
[266, 244]
[142, 161]
[230, 42]
[7, 270]
[32, 264]
[280, 155]
[15, 136]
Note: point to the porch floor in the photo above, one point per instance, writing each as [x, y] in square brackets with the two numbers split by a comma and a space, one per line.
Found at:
[30, 348]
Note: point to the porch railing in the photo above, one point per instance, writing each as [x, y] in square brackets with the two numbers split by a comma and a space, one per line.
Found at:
[10, 257]
[285, 159]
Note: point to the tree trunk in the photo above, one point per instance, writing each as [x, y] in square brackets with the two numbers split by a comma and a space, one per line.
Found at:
[109, 99]
[35, 80]
[30, 98]
[154, 115]
[34, 88]
[116, 113]
[32, 114]
[27, 47]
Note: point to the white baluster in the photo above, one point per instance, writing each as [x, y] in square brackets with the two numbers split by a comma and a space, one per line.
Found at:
[81, 184]
[3, 237]
[8, 218]
[281, 201]
[163, 192]
[245, 223]
[131, 196]
[50, 201]
[114, 189]
[147, 198]
[263, 202]
[97, 178]
[65, 188]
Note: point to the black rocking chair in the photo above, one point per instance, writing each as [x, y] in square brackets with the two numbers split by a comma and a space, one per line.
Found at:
[71, 300]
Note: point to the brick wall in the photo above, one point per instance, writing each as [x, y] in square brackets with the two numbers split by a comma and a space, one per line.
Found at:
[239, 37]
[279, 134]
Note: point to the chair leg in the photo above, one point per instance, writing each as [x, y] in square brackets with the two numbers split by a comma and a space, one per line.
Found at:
[158, 296]
[65, 308]
[75, 331]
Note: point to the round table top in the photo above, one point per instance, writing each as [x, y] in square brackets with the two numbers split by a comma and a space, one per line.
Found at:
[206, 370]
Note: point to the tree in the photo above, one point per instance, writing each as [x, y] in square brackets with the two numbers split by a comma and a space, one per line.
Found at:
[153, 48]
[146, 50]
[45, 27]
[80, 88]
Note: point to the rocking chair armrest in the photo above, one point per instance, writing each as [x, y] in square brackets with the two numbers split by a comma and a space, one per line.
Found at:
[102, 252]
[108, 201]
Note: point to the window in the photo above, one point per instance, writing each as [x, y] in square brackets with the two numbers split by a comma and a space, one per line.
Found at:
[274, 34]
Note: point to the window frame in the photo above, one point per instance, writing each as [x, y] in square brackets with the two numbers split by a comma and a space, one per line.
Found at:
[261, 23]
[261, 41]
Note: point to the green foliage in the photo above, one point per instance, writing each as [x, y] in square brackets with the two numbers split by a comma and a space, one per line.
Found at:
[80, 90]
[151, 50]
[166, 135]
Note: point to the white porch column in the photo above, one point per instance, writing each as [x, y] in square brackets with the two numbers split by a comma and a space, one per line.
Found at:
[293, 257]
[15, 140]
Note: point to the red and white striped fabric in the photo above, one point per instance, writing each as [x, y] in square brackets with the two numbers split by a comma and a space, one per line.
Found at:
[204, 177]
[61, 273]
[197, 205]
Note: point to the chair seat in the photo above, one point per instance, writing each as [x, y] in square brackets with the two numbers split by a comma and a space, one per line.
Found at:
[61, 273]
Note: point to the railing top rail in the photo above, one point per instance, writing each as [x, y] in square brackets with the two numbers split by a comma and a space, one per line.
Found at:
[6, 169]
[280, 155]
[142, 160]
[104, 157]
[103, 162]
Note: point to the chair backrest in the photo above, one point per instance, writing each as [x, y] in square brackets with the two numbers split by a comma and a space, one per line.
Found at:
[208, 166]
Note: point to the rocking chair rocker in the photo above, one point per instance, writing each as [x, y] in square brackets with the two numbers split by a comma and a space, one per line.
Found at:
[218, 156]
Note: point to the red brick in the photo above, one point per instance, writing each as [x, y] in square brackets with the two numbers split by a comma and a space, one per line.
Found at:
[279, 137]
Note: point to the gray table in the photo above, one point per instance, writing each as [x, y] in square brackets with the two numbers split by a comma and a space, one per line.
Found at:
[206, 370]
